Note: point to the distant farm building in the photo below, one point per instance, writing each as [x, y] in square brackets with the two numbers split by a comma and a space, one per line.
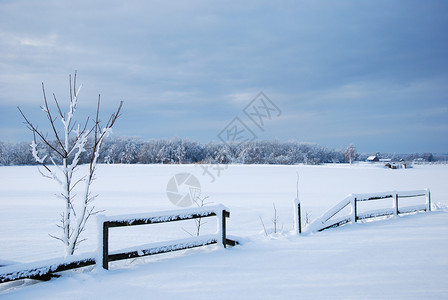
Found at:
[373, 158]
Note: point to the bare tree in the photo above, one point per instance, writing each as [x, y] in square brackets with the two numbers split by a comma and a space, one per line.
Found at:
[274, 221]
[66, 149]
[275, 218]
[350, 153]
[297, 185]
[200, 202]
[264, 227]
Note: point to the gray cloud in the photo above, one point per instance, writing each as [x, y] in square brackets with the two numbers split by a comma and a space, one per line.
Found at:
[336, 68]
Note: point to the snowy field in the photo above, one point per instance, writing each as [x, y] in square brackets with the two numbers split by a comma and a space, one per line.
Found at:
[400, 258]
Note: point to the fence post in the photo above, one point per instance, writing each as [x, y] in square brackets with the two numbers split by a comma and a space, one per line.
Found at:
[224, 215]
[428, 200]
[354, 213]
[297, 216]
[396, 212]
[355, 204]
[105, 245]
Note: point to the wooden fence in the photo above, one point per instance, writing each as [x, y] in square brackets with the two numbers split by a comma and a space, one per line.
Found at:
[162, 217]
[45, 270]
[334, 218]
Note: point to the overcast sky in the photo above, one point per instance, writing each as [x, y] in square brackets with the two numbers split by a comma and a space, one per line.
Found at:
[371, 73]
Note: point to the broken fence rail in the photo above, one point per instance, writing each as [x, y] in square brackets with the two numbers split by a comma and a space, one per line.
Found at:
[44, 270]
[328, 220]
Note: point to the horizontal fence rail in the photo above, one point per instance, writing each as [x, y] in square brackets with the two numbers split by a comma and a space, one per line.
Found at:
[162, 217]
[44, 270]
[334, 218]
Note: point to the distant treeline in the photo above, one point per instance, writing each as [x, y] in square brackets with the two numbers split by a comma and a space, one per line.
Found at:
[128, 150]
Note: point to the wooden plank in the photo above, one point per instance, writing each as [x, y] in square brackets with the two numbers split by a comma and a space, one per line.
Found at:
[157, 250]
[375, 198]
[335, 213]
[412, 209]
[232, 242]
[337, 224]
[45, 272]
[157, 220]
[365, 216]
[412, 196]
[223, 229]
[396, 211]
[105, 261]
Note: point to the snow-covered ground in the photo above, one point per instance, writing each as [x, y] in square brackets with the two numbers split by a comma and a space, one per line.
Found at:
[402, 257]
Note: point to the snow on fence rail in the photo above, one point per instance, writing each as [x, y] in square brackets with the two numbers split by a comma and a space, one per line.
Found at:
[162, 217]
[45, 270]
[334, 218]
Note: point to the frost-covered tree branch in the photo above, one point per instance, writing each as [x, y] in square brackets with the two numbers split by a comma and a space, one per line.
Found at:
[66, 150]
